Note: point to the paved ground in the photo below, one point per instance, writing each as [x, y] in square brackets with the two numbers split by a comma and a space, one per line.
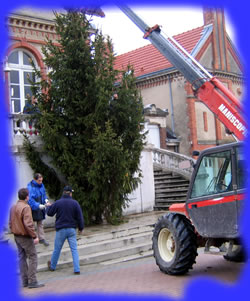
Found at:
[134, 277]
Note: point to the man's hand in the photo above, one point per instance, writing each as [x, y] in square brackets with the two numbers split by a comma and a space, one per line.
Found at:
[47, 204]
[80, 232]
[36, 240]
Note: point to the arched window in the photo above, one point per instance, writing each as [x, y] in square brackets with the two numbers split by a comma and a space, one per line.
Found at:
[20, 63]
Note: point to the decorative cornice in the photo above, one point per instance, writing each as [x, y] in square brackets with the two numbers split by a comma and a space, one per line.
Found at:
[27, 22]
[236, 78]
[32, 28]
[156, 80]
[159, 78]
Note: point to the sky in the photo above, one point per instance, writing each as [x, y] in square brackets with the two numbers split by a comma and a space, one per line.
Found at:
[126, 36]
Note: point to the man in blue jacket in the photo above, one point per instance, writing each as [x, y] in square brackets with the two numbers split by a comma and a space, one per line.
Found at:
[38, 201]
[68, 217]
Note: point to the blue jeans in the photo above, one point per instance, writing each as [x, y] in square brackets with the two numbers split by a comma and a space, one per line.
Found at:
[61, 236]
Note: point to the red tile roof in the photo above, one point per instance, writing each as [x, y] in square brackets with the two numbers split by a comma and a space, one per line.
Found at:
[148, 59]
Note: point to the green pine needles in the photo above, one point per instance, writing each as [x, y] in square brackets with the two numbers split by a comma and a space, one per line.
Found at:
[90, 118]
[51, 180]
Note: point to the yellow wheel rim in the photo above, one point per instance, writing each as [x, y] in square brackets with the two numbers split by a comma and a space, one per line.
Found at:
[166, 245]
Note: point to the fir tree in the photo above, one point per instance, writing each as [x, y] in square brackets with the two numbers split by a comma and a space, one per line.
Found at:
[90, 125]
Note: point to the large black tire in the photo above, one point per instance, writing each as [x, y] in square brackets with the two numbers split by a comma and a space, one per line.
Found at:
[237, 254]
[174, 244]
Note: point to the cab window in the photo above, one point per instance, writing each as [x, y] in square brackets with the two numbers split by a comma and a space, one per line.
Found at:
[214, 175]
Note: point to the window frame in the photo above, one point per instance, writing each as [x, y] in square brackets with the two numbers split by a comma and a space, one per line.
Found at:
[21, 68]
[214, 179]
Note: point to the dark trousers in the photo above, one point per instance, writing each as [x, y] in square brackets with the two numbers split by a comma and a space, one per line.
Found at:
[27, 251]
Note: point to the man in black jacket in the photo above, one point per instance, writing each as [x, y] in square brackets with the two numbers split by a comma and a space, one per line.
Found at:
[68, 217]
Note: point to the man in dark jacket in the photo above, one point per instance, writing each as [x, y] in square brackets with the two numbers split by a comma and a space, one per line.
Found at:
[22, 226]
[31, 106]
[68, 217]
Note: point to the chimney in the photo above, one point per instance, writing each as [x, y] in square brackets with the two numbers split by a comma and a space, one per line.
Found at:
[215, 17]
[208, 16]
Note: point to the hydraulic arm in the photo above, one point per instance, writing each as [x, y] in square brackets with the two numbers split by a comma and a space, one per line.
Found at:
[208, 89]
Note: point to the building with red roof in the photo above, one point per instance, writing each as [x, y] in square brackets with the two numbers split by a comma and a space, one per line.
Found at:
[189, 125]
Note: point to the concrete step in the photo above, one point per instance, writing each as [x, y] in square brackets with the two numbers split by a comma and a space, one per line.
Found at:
[167, 177]
[169, 201]
[140, 255]
[105, 245]
[170, 190]
[160, 172]
[121, 241]
[117, 232]
[170, 196]
[102, 256]
[171, 182]
[171, 185]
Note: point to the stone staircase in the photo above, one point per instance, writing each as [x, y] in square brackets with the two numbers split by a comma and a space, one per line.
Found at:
[170, 188]
[105, 244]
[104, 249]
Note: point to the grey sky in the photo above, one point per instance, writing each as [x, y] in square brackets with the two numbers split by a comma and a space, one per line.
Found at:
[174, 20]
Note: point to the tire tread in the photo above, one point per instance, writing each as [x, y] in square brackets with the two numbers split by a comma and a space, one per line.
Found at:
[187, 241]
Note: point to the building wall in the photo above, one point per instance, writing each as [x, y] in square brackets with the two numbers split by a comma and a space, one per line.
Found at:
[206, 59]
[181, 115]
[233, 66]
[153, 134]
[143, 198]
[159, 94]
[206, 129]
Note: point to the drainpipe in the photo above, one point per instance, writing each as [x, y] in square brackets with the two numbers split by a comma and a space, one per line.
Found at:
[142, 209]
[171, 105]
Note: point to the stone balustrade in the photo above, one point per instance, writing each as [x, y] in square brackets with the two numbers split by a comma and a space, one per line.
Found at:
[22, 124]
[173, 162]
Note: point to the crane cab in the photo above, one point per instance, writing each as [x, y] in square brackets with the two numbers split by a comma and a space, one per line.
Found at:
[216, 191]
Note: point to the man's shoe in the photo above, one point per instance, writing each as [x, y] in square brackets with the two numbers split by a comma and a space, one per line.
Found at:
[35, 285]
[77, 273]
[49, 266]
[44, 242]
[25, 284]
